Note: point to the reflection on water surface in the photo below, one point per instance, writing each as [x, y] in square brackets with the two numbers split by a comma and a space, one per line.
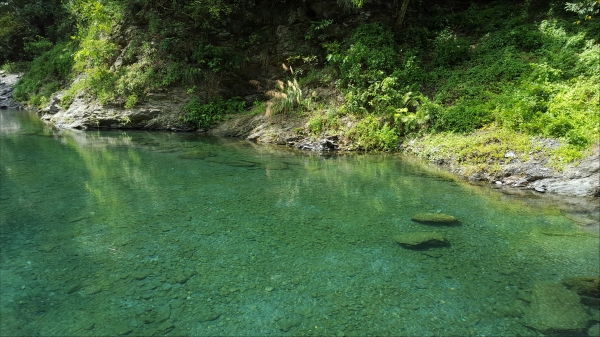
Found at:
[138, 233]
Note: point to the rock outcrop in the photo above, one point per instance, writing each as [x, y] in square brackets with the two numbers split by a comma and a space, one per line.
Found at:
[159, 111]
[7, 81]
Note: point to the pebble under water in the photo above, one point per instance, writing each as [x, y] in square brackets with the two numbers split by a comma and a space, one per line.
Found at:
[156, 233]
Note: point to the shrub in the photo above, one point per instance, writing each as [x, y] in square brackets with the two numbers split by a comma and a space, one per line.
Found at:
[203, 116]
[371, 133]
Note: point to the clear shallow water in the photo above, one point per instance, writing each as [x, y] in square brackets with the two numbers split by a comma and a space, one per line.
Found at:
[139, 233]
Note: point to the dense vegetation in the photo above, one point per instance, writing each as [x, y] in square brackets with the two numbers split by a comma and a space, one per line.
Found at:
[531, 68]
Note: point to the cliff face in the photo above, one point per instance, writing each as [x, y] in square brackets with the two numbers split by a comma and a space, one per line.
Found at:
[242, 58]
[7, 82]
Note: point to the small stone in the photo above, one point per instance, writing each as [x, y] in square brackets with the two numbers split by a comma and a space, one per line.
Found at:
[435, 219]
[165, 328]
[148, 319]
[73, 288]
[93, 289]
[47, 247]
[142, 274]
[125, 331]
[163, 313]
[90, 326]
[286, 324]
[208, 316]
[269, 289]
[176, 304]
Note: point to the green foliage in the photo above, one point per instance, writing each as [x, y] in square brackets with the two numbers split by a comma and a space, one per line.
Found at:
[368, 55]
[258, 107]
[450, 49]
[131, 101]
[48, 72]
[585, 9]
[371, 133]
[321, 122]
[15, 67]
[480, 150]
[202, 116]
[317, 29]
[30, 27]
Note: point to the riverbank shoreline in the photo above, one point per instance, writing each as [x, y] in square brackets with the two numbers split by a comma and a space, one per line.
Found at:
[160, 112]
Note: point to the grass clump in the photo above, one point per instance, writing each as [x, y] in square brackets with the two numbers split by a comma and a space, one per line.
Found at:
[480, 151]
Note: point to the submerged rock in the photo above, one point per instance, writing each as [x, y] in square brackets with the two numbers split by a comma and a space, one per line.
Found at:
[555, 310]
[163, 313]
[421, 240]
[583, 285]
[286, 324]
[435, 219]
[208, 316]
[198, 154]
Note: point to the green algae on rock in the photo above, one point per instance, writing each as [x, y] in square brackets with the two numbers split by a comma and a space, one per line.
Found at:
[583, 285]
[555, 310]
[421, 240]
[435, 219]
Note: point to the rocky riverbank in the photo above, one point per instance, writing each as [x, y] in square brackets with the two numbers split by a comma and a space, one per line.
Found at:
[7, 81]
[580, 179]
[160, 111]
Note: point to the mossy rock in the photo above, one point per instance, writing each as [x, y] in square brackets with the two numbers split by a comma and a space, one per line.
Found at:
[555, 311]
[435, 219]
[421, 240]
[583, 285]
[197, 154]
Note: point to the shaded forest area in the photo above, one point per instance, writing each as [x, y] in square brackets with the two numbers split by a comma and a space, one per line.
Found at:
[396, 69]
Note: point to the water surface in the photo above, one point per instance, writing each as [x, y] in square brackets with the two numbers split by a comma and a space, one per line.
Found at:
[141, 233]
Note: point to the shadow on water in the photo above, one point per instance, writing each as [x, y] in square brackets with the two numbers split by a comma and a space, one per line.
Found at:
[140, 233]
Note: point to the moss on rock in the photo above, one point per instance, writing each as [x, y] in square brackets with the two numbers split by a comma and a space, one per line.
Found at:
[435, 218]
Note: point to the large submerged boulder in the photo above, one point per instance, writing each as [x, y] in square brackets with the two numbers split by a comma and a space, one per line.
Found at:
[583, 285]
[555, 311]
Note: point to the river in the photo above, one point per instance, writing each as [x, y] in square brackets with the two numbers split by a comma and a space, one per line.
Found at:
[142, 233]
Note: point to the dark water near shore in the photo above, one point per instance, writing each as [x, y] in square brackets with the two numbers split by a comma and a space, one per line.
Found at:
[140, 233]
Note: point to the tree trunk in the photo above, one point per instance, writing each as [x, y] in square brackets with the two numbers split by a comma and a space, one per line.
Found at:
[402, 14]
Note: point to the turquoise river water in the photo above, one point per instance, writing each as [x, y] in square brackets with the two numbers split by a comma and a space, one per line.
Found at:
[156, 233]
